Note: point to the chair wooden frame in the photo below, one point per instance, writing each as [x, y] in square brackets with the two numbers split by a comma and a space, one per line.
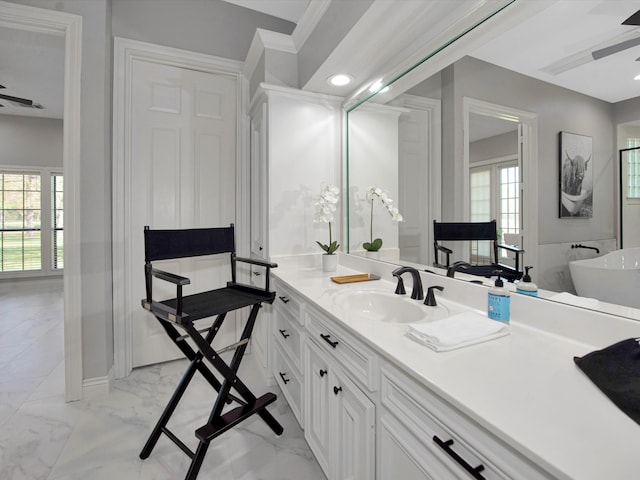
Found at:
[476, 231]
[182, 311]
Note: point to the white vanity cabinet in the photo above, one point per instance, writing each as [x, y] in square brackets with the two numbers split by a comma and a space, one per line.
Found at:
[339, 416]
[287, 341]
[422, 437]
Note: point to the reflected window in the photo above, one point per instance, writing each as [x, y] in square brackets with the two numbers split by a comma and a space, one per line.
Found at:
[495, 193]
[633, 169]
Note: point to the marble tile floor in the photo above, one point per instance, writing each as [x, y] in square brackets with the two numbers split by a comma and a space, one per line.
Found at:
[42, 437]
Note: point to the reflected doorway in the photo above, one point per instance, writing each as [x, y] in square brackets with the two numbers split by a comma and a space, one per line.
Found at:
[500, 174]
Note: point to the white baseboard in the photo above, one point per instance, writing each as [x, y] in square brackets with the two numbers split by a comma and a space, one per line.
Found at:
[97, 386]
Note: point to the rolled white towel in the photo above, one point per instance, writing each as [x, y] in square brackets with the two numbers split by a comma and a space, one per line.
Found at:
[457, 331]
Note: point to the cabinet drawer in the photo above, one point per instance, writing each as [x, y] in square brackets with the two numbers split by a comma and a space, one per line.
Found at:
[356, 358]
[448, 433]
[289, 302]
[289, 381]
[289, 335]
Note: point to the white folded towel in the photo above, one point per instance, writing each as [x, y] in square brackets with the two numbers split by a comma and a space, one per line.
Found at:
[571, 299]
[457, 331]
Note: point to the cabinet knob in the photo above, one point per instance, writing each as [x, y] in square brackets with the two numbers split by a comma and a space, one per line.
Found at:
[323, 373]
[284, 333]
[260, 248]
[284, 379]
[257, 274]
[284, 299]
[337, 390]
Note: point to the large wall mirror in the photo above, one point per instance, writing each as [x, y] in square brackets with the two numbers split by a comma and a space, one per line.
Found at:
[483, 130]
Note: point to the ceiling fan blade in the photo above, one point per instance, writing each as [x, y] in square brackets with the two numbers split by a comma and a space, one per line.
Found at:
[22, 101]
[618, 47]
[633, 19]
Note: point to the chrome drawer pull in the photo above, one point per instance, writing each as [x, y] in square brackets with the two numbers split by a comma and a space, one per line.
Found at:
[284, 333]
[285, 380]
[326, 338]
[284, 299]
[446, 446]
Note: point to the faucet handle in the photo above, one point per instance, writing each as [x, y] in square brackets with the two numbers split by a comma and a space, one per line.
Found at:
[400, 287]
[431, 298]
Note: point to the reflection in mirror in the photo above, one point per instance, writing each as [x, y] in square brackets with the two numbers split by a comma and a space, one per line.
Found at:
[441, 166]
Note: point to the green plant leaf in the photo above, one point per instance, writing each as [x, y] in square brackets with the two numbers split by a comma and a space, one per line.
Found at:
[333, 247]
[373, 246]
[324, 247]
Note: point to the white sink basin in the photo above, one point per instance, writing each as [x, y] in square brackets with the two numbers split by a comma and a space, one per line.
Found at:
[386, 306]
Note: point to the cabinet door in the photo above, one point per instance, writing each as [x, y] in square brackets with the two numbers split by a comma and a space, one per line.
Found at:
[353, 419]
[401, 455]
[317, 428]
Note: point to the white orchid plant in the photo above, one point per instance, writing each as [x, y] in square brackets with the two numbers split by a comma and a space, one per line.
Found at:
[325, 210]
[372, 192]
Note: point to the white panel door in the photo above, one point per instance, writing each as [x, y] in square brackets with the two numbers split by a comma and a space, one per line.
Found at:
[182, 175]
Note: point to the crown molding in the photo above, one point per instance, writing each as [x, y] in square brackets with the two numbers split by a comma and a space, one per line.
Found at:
[309, 21]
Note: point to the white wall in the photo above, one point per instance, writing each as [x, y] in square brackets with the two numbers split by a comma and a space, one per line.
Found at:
[304, 155]
[30, 141]
[373, 161]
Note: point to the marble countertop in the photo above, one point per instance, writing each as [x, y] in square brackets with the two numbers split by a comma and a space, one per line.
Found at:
[524, 388]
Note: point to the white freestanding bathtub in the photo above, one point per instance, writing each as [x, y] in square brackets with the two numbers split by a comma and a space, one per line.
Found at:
[613, 278]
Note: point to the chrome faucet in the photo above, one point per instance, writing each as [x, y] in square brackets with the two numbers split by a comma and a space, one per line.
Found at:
[416, 293]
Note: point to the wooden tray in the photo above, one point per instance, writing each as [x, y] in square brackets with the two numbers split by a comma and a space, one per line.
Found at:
[361, 277]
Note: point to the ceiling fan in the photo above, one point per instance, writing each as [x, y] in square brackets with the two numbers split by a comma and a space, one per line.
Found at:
[633, 20]
[24, 102]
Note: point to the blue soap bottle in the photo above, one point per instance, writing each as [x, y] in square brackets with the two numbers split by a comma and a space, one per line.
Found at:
[499, 302]
[526, 286]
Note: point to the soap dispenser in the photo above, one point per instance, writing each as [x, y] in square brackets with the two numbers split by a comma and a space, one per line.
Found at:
[499, 301]
[526, 286]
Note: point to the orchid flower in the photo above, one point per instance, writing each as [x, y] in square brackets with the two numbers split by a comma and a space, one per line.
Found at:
[387, 202]
[325, 209]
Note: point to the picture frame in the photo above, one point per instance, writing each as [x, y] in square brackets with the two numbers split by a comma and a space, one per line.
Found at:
[576, 175]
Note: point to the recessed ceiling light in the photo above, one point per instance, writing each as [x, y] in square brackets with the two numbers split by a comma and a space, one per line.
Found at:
[339, 80]
[637, 77]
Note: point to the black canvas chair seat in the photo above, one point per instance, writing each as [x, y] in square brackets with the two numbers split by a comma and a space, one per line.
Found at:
[177, 316]
[476, 231]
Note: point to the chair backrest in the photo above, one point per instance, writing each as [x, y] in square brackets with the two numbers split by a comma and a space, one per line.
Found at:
[465, 230]
[192, 242]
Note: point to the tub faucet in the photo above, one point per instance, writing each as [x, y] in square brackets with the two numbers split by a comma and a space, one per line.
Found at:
[416, 293]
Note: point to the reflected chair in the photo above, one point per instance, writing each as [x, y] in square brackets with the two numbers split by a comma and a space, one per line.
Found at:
[476, 231]
[182, 312]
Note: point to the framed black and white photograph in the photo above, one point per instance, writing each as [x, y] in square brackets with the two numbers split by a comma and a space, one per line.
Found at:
[576, 178]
